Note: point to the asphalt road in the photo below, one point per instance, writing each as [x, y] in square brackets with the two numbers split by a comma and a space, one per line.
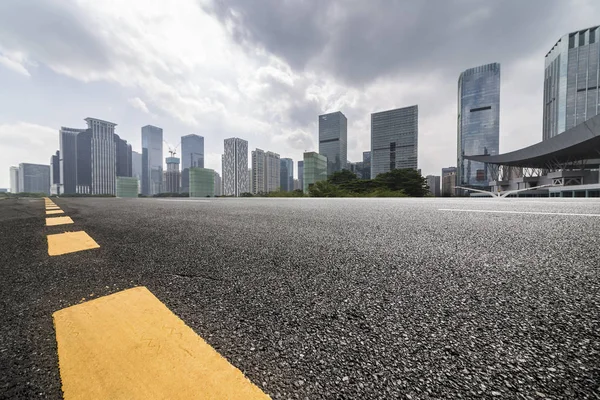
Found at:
[329, 298]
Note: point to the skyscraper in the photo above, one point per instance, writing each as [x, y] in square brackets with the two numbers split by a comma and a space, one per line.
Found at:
[67, 138]
[286, 181]
[272, 171]
[173, 175]
[218, 184]
[394, 140]
[123, 157]
[55, 173]
[448, 181]
[571, 75]
[136, 167]
[104, 156]
[152, 156]
[202, 182]
[258, 171]
[301, 174]
[333, 140]
[34, 178]
[14, 180]
[192, 156]
[433, 181]
[235, 167]
[315, 169]
[478, 122]
[366, 167]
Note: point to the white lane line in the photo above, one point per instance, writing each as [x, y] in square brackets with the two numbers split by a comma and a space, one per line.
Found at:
[519, 212]
[191, 200]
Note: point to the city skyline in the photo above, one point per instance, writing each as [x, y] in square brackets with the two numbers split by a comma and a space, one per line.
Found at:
[272, 100]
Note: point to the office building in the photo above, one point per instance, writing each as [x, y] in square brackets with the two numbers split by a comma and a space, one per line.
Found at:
[571, 78]
[172, 175]
[286, 181]
[333, 140]
[448, 181]
[301, 174]
[152, 160]
[394, 140]
[55, 173]
[103, 156]
[272, 171]
[478, 122]
[202, 182]
[123, 157]
[14, 180]
[136, 168]
[265, 172]
[34, 178]
[192, 156]
[257, 172]
[68, 159]
[127, 186]
[366, 165]
[315, 169]
[433, 181]
[235, 167]
[218, 184]
[297, 185]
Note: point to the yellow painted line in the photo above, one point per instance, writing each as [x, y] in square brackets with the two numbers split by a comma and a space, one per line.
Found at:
[48, 212]
[52, 208]
[58, 221]
[70, 242]
[129, 345]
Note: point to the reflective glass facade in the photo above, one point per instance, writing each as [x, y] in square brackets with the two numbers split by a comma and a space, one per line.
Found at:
[34, 178]
[202, 182]
[366, 165]
[127, 186]
[192, 156]
[315, 169]
[478, 122]
[301, 174]
[286, 181]
[333, 140]
[152, 160]
[394, 139]
[571, 78]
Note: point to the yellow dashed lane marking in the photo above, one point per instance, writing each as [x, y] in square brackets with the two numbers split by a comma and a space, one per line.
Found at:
[52, 208]
[70, 242]
[58, 221]
[129, 345]
[49, 212]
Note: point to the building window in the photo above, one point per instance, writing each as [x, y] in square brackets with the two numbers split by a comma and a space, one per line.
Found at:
[571, 41]
[582, 38]
[592, 36]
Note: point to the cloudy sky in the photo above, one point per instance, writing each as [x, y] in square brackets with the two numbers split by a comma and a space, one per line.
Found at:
[264, 70]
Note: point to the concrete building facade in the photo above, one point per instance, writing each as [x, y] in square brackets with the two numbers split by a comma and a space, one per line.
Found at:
[34, 178]
[172, 175]
[235, 167]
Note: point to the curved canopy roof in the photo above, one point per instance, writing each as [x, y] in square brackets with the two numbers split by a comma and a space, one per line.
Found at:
[582, 142]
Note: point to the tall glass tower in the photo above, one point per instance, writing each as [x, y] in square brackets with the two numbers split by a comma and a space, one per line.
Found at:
[192, 156]
[333, 140]
[152, 160]
[478, 122]
[571, 79]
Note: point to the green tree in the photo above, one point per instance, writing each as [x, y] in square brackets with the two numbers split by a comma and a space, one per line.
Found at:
[326, 189]
[343, 176]
[406, 180]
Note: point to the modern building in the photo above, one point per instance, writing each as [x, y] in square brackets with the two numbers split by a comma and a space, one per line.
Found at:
[172, 175]
[315, 169]
[192, 156]
[127, 186]
[366, 165]
[202, 182]
[297, 185]
[265, 173]
[3, 190]
[286, 181]
[571, 78]
[301, 174]
[14, 180]
[136, 168]
[478, 122]
[272, 171]
[448, 181]
[218, 184]
[152, 160]
[235, 167]
[433, 181]
[67, 138]
[123, 157]
[103, 156]
[394, 139]
[34, 178]
[257, 172]
[55, 173]
[333, 140]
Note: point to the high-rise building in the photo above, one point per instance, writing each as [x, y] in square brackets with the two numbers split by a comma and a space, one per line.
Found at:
[218, 184]
[272, 171]
[172, 175]
[14, 180]
[34, 178]
[366, 167]
[68, 159]
[127, 186]
[315, 169]
[448, 181]
[333, 140]
[433, 181]
[192, 156]
[55, 173]
[478, 122]
[103, 156]
[394, 140]
[301, 174]
[235, 167]
[152, 156]
[202, 182]
[286, 181]
[136, 168]
[571, 78]
[258, 172]
[123, 157]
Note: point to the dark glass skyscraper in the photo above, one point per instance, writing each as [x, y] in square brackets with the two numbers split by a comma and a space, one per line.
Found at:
[301, 173]
[152, 160]
[333, 140]
[286, 182]
[478, 122]
[192, 156]
[571, 79]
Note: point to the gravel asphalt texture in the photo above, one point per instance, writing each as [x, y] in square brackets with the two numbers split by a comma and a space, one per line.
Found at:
[328, 298]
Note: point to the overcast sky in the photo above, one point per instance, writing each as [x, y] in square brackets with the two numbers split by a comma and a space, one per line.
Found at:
[264, 70]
